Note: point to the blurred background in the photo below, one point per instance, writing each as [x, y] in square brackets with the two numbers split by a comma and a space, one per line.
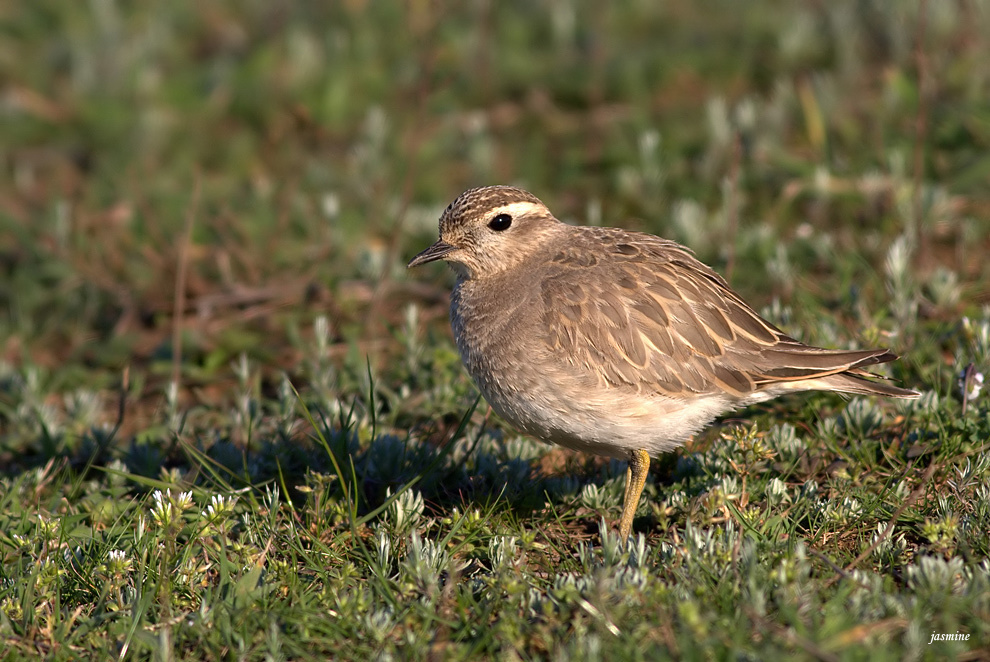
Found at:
[262, 171]
[233, 423]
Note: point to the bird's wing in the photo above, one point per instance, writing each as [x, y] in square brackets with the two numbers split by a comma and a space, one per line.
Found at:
[643, 313]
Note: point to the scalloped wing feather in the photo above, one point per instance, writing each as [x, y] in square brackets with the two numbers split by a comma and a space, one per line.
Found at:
[654, 319]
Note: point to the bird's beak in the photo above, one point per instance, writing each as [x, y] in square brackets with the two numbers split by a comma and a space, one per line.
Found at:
[437, 251]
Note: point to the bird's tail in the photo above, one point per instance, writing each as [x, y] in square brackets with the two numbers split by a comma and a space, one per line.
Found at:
[812, 368]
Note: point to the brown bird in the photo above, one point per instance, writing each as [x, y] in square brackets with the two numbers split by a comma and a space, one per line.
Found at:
[614, 342]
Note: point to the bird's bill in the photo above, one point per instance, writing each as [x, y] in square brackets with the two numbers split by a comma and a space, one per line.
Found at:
[437, 251]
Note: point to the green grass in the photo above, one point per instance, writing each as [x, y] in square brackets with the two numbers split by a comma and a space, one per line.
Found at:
[297, 467]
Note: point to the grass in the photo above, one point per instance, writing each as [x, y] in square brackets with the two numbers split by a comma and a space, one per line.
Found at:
[233, 426]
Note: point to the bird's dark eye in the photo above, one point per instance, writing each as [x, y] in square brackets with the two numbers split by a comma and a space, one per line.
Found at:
[500, 222]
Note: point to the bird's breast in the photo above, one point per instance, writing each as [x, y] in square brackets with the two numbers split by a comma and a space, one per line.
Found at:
[492, 333]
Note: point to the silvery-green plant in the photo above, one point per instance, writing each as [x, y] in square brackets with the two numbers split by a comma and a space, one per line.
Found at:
[330, 205]
[793, 569]
[480, 146]
[503, 550]
[285, 408]
[583, 646]
[978, 577]
[383, 547]
[861, 417]
[809, 490]
[776, 492]
[944, 287]
[649, 157]
[272, 498]
[868, 601]
[173, 416]
[82, 407]
[644, 179]
[720, 136]
[780, 269]
[390, 458]
[828, 428]
[784, 440]
[423, 562]
[562, 486]
[729, 486]
[322, 373]
[972, 474]
[888, 549]
[802, 39]
[593, 213]
[690, 224]
[411, 337]
[379, 623]
[563, 23]
[928, 403]
[901, 284]
[405, 512]
[39, 418]
[522, 448]
[247, 413]
[674, 501]
[933, 579]
[170, 475]
[844, 512]
[710, 543]
[612, 545]
[779, 314]
[598, 498]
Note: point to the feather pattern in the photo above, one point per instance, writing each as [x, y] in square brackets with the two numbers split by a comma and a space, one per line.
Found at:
[653, 319]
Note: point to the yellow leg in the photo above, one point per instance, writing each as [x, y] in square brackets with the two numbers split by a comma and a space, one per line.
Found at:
[625, 495]
[639, 467]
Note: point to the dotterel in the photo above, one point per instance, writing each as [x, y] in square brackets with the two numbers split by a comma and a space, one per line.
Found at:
[614, 342]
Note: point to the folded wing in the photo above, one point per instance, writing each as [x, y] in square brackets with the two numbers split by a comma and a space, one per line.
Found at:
[653, 318]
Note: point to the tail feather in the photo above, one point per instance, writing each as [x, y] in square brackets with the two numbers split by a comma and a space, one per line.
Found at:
[810, 368]
[850, 382]
[803, 362]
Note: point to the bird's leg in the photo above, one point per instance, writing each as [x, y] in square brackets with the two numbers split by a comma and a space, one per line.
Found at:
[625, 494]
[639, 468]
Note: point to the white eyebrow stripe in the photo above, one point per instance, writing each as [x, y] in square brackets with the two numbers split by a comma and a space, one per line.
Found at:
[518, 209]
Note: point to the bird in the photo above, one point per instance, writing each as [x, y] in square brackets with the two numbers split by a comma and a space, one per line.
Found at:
[614, 342]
